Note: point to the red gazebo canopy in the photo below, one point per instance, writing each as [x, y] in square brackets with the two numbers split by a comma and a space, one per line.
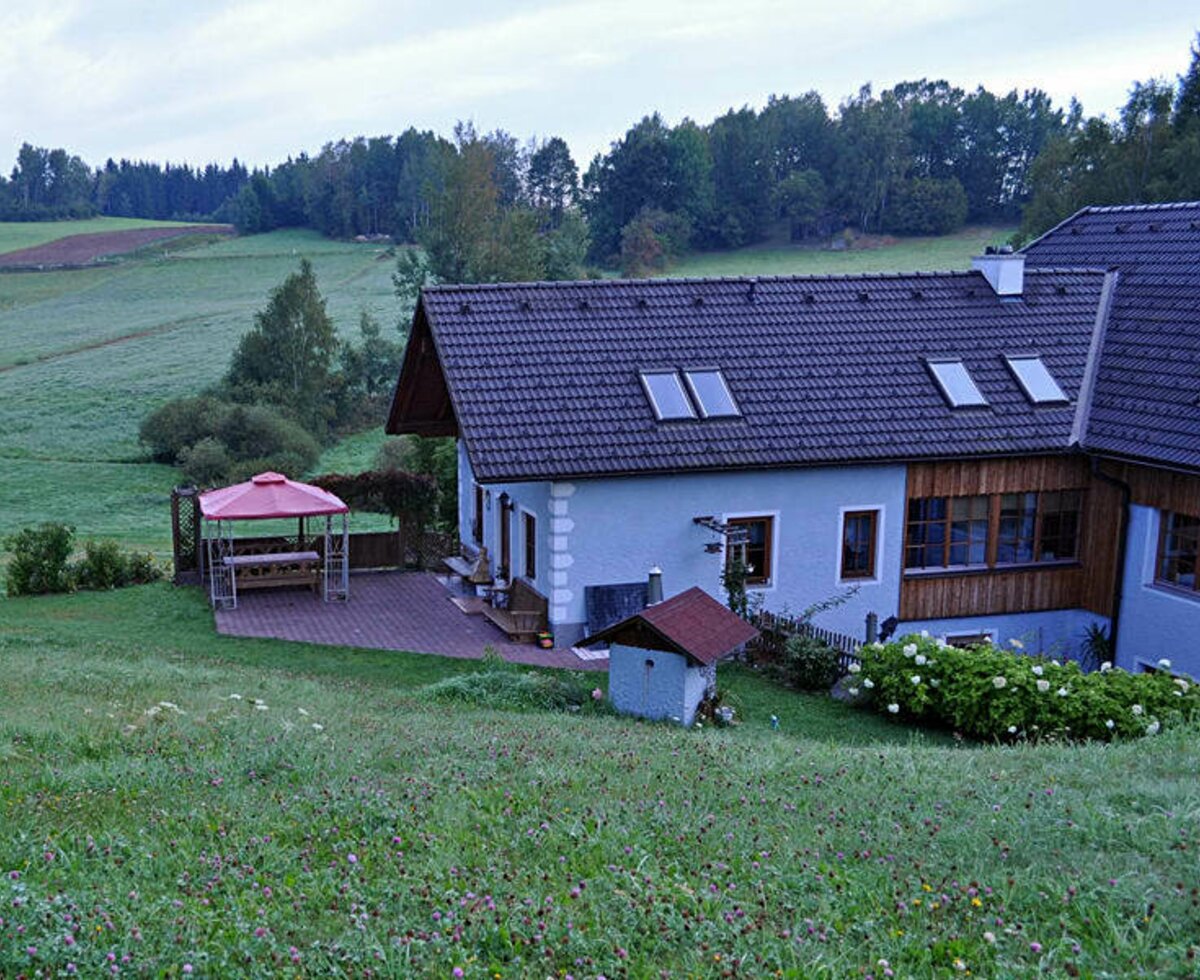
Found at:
[268, 495]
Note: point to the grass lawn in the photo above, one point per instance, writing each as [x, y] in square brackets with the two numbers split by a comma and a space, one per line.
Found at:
[349, 824]
[86, 354]
[924, 254]
[16, 235]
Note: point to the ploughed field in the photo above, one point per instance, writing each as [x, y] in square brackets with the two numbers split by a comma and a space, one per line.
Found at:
[173, 801]
[77, 250]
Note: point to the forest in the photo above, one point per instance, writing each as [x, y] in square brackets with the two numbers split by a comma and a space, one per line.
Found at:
[922, 157]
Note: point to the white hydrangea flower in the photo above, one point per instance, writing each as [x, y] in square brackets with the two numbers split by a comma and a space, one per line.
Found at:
[1056, 663]
[894, 708]
[940, 643]
[1164, 663]
[909, 650]
[999, 682]
[1043, 686]
[1037, 669]
[916, 679]
[1106, 667]
[854, 668]
[1016, 644]
[1063, 692]
[1152, 728]
[1181, 683]
[925, 634]
[920, 660]
[933, 682]
[868, 683]
[1136, 709]
[1110, 724]
[853, 691]
[1012, 729]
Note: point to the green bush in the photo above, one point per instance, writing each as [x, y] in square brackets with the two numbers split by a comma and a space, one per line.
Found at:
[105, 566]
[205, 463]
[39, 559]
[171, 429]
[507, 686]
[809, 664]
[991, 693]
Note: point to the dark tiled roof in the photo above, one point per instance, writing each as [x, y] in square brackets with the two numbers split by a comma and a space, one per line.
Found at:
[692, 623]
[544, 377]
[1144, 403]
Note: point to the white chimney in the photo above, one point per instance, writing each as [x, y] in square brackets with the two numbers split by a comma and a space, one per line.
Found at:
[654, 593]
[1003, 268]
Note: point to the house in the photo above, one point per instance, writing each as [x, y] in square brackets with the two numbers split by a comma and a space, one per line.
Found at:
[954, 449]
[663, 659]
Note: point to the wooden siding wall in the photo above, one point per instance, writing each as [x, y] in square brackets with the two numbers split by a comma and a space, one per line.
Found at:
[1087, 585]
[1161, 489]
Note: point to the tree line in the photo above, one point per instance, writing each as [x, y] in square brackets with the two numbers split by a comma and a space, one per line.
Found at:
[922, 157]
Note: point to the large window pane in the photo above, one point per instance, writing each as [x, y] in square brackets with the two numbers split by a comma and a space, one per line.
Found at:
[1177, 551]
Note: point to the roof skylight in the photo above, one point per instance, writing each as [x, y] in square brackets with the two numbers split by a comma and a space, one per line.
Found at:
[711, 393]
[1039, 384]
[666, 394]
[958, 387]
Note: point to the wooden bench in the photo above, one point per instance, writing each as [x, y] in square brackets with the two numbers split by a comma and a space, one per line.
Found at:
[277, 570]
[524, 615]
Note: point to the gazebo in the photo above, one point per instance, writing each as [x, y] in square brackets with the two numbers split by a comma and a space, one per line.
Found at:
[264, 497]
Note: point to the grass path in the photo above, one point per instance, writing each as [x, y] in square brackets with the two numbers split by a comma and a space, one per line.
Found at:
[349, 823]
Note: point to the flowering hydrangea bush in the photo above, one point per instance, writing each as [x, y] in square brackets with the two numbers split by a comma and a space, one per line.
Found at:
[988, 692]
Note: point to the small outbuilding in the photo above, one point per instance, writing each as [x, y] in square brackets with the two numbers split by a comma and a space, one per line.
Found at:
[663, 660]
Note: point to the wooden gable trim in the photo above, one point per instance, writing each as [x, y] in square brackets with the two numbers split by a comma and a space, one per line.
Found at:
[422, 404]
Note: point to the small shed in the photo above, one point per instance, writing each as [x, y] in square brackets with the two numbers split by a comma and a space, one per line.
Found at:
[663, 660]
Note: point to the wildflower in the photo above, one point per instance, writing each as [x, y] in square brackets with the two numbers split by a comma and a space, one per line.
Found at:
[457, 971]
[1164, 663]
[352, 858]
[1106, 667]
[1043, 686]
[989, 937]
[854, 668]
[302, 712]
[916, 679]
[259, 706]
[920, 661]
[868, 683]
[999, 682]
[1012, 729]
[318, 727]
[894, 708]
[1037, 670]
[909, 650]
[1016, 644]
[597, 694]
[1136, 709]
[1035, 947]
[1152, 728]
[853, 691]
[1063, 692]
[234, 697]
[1110, 724]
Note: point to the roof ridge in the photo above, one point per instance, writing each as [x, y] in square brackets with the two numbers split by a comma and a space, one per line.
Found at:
[1160, 206]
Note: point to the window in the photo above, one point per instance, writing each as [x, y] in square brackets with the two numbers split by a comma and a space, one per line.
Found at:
[1178, 544]
[477, 516]
[946, 531]
[711, 393]
[1028, 528]
[529, 523]
[753, 546]
[858, 543]
[1036, 379]
[965, 641]
[958, 387]
[666, 394]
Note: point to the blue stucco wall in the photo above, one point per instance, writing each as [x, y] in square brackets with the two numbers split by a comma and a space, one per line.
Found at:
[614, 530]
[533, 497]
[668, 689]
[1155, 622]
[1057, 633]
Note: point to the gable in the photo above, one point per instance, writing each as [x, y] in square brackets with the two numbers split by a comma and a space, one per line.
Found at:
[421, 404]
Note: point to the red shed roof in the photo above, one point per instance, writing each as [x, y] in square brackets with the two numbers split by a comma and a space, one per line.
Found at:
[268, 495]
[692, 623]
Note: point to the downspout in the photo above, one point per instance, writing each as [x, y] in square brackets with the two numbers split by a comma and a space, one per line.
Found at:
[1122, 550]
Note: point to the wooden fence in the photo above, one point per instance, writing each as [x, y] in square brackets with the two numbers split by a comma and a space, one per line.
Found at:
[774, 631]
[368, 549]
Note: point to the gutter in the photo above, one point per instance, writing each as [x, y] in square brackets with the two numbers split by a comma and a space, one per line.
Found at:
[1122, 550]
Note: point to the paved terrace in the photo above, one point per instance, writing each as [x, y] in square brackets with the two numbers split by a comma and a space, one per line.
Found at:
[387, 611]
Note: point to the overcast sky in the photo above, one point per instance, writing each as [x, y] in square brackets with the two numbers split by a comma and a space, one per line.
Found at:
[264, 79]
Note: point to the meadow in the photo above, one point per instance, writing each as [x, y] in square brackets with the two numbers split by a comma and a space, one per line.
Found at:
[85, 354]
[206, 806]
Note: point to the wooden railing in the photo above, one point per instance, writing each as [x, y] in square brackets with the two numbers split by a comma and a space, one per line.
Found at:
[774, 631]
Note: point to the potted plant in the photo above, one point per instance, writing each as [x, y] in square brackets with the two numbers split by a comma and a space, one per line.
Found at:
[545, 640]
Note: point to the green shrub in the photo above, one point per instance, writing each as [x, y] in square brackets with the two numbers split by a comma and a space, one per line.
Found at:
[179, 424]
[990, 693]
[105, 566]
[39, 559]
[507, 686]
[809, 664]
[206, 463]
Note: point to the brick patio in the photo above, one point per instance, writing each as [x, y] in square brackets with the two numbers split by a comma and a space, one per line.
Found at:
[387, 611]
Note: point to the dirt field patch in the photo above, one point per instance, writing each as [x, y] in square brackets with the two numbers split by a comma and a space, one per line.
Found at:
[77, 250]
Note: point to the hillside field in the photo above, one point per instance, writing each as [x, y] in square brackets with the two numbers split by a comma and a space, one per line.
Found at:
[160, 820]
[85, 354]
[16, 235]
